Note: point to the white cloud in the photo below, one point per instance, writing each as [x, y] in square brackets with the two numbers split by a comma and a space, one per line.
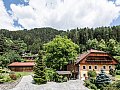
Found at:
[117, 2]
[65, 14]
[6, 21]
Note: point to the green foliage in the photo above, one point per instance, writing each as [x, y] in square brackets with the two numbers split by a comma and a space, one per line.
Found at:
[112, 72]
[118, 72]
[65, 79]
[90, 85]
[92, 73]
[59, 52]
[102, 79]
[50, 73]
[113, 86]
[39, 70]
[9, 57]
[101, 38]
[92, 44]
[12, 75]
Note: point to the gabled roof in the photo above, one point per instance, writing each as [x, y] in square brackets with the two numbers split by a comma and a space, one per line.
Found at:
[22, 64]
[84, 55]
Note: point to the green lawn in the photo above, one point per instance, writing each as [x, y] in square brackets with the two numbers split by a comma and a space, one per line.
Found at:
[24, 73]
[117, 77]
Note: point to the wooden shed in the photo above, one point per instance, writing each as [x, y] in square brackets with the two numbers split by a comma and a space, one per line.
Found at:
[21, 66]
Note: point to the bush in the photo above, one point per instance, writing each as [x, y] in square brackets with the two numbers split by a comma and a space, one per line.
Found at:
[65, 79]
[90, 85]
[118, 72]
[40, 80]
[1, 76]
[92, 73]
[18, 75]
[2, 80]
[87, 83]
[92, 80]
[13, 75]
[60, 78]
[3, 71]
[112, 72]
[50, 73]
[7, 79]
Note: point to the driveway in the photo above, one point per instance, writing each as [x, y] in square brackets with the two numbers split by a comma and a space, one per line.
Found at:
[26, 84]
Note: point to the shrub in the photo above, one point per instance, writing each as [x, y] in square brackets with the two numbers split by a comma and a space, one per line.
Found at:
[13, 75]
[2, 80]
[92, 73]
[18, 75]
[50, 73]
[92, 80]
[118, 72]
[65, 79]
[112, 72]
[60, 78]
[40, 80]
[7, 79]
[87, 83]
[90, 85]
[1, 76]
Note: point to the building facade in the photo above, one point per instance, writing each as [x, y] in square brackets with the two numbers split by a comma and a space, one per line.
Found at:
[92, 59]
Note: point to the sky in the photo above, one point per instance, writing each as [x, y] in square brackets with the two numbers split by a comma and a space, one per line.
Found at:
[58, 14]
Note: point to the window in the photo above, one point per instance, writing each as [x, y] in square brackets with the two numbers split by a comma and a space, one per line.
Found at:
[110, 67]
[84, 67]
[104, 67]
[90, 67]
[95, 67]
[84, 75]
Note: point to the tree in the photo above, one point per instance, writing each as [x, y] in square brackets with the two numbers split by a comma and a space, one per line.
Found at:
[40, 76]
[102, 79]
[59, 52]
[102, 45]
[92, 44]
[2, 45]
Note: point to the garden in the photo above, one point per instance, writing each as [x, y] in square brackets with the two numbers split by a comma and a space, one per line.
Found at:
[103, 81]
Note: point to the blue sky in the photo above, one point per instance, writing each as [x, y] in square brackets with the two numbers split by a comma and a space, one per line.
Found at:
[60, 14]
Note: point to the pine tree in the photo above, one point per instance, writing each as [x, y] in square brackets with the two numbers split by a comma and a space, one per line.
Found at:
[40, 76]
[102, 79]
[2, 45]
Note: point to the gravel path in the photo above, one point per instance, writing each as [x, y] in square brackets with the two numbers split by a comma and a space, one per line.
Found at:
[26, 84]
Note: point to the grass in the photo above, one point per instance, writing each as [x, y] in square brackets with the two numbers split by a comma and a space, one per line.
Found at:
[117, 77]
[23, 73]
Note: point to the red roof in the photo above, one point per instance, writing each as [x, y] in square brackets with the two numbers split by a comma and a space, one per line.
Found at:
[22, 64]
[82, 56]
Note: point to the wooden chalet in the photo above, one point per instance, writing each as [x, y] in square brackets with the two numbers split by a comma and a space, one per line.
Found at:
[92, 59]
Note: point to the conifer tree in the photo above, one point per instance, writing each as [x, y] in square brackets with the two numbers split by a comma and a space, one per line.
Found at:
[40, 76]
[102, 79]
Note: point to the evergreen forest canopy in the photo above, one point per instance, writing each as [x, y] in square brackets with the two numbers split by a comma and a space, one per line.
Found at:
[101, 38]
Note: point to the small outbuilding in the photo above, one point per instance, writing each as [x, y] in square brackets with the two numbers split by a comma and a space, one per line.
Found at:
[21, 66]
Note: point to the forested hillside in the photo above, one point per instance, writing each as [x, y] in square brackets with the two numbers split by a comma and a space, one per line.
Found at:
[86, 38]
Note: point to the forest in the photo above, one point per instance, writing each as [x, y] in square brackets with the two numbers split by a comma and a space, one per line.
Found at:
[14, 43]
[101, 38]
